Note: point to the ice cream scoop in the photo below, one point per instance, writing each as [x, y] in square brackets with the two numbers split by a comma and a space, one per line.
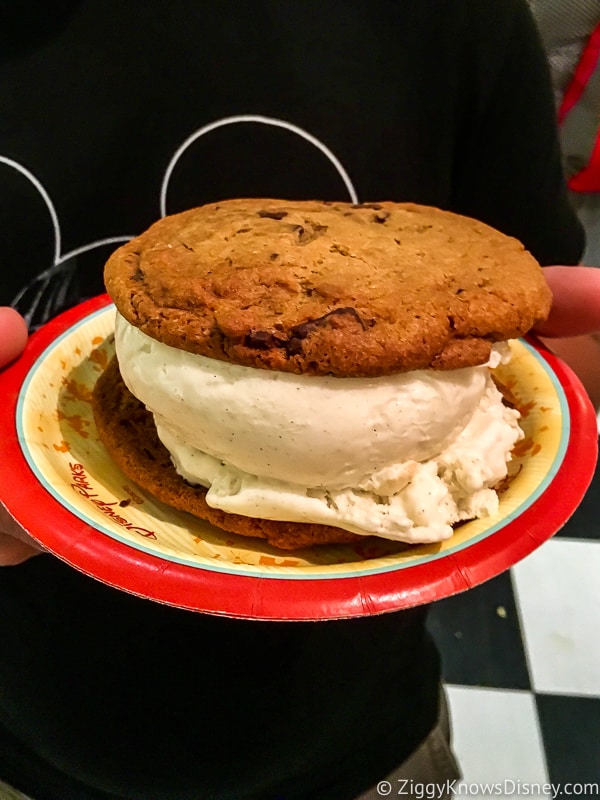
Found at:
[399, 456]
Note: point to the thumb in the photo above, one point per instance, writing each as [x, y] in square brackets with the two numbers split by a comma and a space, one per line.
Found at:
[16, 545]
[576, 302]
[13, 335]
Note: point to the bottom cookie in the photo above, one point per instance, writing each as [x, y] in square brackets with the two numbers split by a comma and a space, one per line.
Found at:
[128, 432]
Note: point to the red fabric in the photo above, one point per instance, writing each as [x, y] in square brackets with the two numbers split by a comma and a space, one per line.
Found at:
[585, 68]
[587, 179]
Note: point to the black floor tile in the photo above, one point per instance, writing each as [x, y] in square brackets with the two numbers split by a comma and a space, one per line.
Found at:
[479, 637]
[571, 732]
[585, 522]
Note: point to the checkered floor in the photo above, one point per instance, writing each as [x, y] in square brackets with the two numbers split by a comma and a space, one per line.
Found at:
[521, 658]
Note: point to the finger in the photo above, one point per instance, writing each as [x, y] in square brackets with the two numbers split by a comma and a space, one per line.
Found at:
[13, 335]
[10, 527]
[576, 304]
[14, 551]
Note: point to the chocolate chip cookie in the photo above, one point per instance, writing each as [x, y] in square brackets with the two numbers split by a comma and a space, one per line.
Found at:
[328, 288]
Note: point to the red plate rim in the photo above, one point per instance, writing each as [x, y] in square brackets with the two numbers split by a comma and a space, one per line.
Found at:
[278, 598]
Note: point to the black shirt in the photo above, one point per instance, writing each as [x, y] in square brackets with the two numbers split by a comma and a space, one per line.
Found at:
[107, 107]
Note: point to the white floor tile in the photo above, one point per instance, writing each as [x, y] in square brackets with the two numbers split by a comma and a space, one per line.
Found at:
[557, 589]
[8, 793]
[496, 738]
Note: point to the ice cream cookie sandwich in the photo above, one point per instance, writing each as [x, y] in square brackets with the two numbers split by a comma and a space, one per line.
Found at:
[312, 372]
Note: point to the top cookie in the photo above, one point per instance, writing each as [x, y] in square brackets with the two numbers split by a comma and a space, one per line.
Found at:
[328, 288]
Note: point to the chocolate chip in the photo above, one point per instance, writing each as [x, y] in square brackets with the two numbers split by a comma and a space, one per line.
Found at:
[374, 206]
[138, 275]
[124, 503]
[262, 340]
[244, 230]
[272, 214]
[338, 248]
[305, 328]
[274, 256]
[302, 331]
[265, 340]
[381, 216]
[294, 347]
[309, 233]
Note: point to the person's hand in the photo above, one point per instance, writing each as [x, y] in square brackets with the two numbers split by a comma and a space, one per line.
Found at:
[576, 304]
[573, 325]
[15, 545]
[13, 335]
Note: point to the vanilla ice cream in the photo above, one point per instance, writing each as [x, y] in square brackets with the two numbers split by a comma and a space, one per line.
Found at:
[403, 456]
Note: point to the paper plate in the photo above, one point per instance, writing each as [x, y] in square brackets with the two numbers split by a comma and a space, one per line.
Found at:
[61, 486]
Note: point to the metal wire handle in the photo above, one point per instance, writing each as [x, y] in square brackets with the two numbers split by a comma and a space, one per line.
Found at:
[48, 293]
